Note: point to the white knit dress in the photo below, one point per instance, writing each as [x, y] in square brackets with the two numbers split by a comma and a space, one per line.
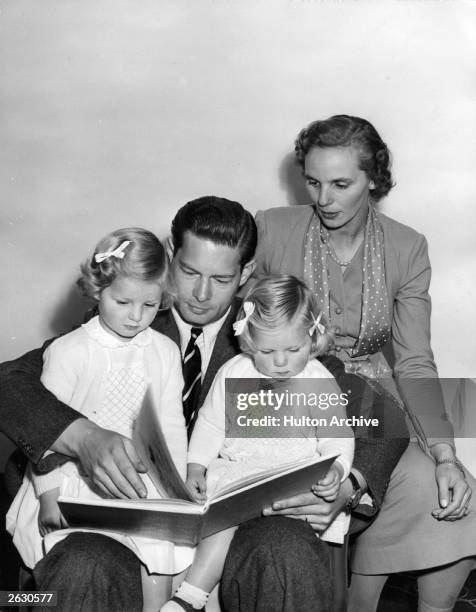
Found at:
[105, 379]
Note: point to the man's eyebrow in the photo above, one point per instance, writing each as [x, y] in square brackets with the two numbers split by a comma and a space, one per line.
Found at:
[184, 264]
[192, 269]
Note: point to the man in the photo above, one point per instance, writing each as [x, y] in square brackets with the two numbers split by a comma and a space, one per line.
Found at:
[214, 241]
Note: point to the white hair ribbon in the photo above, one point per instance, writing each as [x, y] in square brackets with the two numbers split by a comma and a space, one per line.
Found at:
[119, 252]
[239, 326]
[317, 324]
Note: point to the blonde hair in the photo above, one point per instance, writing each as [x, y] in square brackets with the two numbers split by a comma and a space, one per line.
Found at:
[144, 259]
[278, 300]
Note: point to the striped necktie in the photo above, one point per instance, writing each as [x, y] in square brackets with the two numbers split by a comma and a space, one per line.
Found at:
[192, 373]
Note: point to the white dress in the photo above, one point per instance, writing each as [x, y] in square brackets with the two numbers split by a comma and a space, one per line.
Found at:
[106, 379]
[229, 458]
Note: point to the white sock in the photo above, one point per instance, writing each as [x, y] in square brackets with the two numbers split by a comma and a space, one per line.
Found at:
[424, 607]
[189, 593]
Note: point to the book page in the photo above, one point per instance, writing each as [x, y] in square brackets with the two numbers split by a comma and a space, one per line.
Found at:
[150, 443]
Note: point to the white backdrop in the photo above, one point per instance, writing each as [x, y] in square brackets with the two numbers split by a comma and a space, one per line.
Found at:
[116, 112]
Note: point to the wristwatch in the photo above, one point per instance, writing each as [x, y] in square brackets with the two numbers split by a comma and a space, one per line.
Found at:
[356, 494]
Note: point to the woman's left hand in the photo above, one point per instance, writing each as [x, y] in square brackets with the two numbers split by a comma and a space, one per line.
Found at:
[454, 493]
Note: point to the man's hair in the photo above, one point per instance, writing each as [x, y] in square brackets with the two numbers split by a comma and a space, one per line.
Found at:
[219, 220]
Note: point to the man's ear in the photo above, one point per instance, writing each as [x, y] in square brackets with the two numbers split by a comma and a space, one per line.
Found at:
[169, 248]
[247, 271]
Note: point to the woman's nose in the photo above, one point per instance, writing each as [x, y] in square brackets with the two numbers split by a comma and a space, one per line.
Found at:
[202, 290]
[324, 198]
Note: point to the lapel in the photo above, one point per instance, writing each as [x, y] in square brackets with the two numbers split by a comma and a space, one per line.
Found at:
[226, 344]
[164, 323]
[226, 347]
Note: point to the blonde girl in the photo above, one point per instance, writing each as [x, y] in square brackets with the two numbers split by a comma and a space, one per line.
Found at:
[103, 370]
[280, 330]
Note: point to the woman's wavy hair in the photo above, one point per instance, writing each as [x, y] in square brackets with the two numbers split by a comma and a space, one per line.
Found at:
[348, 131]
[144, 259]
[280, 299]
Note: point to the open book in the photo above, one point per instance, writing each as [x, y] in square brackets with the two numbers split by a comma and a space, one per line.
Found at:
[174, 516]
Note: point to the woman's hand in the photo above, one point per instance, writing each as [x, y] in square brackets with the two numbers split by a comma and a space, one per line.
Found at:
[314, 510]
[196, 482]
[454, 493]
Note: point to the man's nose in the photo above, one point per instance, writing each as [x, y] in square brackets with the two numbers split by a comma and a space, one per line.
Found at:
[202, 290]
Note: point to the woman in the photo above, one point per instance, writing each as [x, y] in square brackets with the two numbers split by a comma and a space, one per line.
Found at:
[371, 275]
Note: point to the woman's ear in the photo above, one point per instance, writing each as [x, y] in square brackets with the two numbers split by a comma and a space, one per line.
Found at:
[371, 185]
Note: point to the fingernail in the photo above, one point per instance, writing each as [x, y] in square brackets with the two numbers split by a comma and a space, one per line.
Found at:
[444, 503]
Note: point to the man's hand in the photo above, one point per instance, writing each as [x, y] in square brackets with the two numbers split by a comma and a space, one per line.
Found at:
[108, 458]
[314, 510]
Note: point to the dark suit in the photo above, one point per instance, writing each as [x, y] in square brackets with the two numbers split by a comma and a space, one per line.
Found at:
[33, 418]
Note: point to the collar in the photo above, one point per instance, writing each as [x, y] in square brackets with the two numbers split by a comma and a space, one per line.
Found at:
[208, 336]
[96, 331]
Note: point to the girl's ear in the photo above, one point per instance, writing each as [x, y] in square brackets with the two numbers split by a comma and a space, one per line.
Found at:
[247, 271]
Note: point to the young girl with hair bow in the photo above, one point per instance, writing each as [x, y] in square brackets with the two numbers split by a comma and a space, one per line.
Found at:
[103, 370]
[280, 331]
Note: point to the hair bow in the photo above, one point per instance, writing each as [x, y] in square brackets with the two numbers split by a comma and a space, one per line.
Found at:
[239, 326]
[119, 252]
[317, 324]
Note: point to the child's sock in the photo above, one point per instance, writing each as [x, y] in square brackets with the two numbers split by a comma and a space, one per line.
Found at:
[424, 607]
[189, 594]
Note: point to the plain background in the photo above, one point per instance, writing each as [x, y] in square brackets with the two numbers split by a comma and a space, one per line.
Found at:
[116, 112]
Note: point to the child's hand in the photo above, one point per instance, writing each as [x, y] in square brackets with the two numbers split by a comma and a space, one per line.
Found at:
[328, 487]
[49, 516]
[196, 482]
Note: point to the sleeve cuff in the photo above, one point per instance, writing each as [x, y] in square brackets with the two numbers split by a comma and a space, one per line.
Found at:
[46, 482]
[346, 465]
